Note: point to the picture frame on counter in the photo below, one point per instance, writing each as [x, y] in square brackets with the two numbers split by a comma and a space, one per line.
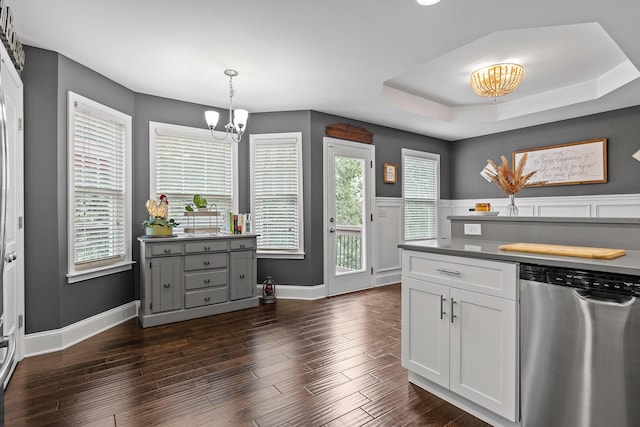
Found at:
[390, 173]
[583, 162]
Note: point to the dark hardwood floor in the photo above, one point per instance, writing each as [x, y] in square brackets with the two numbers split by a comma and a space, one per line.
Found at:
[333, 362]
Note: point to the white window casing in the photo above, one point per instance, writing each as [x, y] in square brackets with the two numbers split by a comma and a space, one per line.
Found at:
[276, 194]
[420, 194]
[99, 189]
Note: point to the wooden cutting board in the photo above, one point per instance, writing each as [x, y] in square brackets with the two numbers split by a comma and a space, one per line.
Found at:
[576, 251]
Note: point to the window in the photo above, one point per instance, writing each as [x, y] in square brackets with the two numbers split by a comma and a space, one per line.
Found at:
[276, 194]
[420, 194]
[99, 180]
[185, 161]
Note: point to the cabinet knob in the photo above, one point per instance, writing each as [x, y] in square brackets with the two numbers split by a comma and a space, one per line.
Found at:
[207, 299]
[167, 251]
[167, 285]
[242, 245]
[206, 263]
[206, 281]
[207, 248]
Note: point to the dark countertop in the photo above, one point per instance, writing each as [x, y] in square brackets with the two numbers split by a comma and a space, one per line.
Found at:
[486, 249]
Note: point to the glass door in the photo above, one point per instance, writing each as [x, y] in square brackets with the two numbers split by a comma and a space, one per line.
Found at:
[348, 201]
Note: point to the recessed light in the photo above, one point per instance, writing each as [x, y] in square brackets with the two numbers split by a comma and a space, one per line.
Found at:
[427, 2]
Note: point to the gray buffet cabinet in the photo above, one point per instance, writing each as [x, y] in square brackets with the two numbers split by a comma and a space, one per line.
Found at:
[187, 277]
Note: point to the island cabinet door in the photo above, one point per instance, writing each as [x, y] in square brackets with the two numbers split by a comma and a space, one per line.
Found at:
[425, 329]
[166, 289]
[484, 351]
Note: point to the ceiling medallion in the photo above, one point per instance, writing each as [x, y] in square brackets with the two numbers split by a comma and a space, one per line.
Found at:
[496, 80]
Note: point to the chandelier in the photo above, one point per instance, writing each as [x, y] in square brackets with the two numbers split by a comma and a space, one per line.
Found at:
[496, 80]
[237, 118]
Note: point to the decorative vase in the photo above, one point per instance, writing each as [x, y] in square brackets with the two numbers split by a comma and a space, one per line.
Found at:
[158, 230]
[512, 209]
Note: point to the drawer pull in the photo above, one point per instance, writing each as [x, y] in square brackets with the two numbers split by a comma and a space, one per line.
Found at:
[207, 248]
[453, 316]
[207, 299]
[206, 263]
[167, 285]
[444, 270]
[442, 301]
[241, 245]
[167, 251]
[206, 281]
[242, 276]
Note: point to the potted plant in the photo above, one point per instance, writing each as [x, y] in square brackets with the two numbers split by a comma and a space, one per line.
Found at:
[159, 223]
[199, 203]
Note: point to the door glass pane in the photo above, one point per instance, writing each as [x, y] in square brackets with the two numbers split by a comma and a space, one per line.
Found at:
[350, 210]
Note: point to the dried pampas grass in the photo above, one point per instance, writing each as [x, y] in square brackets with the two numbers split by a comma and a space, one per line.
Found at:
[509, 181]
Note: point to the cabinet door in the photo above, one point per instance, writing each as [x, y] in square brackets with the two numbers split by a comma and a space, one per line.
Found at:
[242, 280]
[166, 292]
[425, 329]
[484, 351]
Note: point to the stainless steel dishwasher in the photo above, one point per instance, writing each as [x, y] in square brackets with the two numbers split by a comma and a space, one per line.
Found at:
[579, 348]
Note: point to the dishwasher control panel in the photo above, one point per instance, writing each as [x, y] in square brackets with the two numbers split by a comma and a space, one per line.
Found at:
[623, 284]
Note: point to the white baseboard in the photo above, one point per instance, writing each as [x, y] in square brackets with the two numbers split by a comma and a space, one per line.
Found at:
[388, 277]
[298, 292]
[59, 339]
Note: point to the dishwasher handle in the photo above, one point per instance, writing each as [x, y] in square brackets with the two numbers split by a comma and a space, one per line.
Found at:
[604, 297]
[10, 342]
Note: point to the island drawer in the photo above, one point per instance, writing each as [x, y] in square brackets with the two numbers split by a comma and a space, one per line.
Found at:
[207, 246]
[206, 297]
[206, 279]
[205, 261]
[477, 275]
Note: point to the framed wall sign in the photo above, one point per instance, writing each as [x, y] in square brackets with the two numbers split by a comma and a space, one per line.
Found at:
[390, 173]
[583, 162]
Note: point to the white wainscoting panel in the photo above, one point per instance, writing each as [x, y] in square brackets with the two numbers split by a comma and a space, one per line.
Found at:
[388, 236]
[610, 206]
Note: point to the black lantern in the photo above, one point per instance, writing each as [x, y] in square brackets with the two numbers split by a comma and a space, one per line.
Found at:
[269, 290]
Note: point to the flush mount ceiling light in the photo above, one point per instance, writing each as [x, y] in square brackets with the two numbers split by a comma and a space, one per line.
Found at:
[427, 2]
[237, 118]
[496, 80]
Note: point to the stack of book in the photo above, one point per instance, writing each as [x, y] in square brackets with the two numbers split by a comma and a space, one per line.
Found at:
[239, 223]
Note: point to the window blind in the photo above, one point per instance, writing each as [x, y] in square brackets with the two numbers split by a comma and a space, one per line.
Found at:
[420, 196]
[99, 191]
[187, 164]
[276, 193]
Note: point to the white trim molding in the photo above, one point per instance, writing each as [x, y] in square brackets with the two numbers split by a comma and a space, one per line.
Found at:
[596, 206]
[60, 339]
[388, 263]
[301, 292]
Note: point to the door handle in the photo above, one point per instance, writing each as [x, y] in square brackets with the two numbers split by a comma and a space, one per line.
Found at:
[332, 230]
[9, 342]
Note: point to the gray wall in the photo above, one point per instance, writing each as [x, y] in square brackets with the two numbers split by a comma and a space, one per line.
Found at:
[621, 127]
[51, 303]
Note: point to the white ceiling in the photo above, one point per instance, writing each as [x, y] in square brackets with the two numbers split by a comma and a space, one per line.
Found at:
[389, 62]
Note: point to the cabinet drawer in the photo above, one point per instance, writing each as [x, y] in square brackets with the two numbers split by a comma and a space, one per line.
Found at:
[166, 249]
[206, 279]
[209, 246]
[206, 297]
[243, 244]
[205, 261]
[478, 275]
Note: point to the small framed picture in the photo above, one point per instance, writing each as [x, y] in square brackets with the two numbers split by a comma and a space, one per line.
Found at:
[390, 173]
